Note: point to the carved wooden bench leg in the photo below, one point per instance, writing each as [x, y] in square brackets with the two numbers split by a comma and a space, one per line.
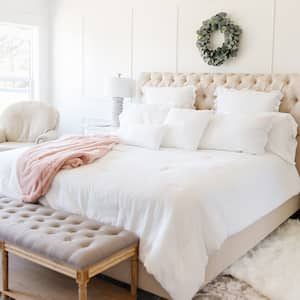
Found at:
[82, 281]
[134, 273]
[4, 273]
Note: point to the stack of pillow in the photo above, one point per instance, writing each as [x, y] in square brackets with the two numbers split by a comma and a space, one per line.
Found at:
[242, 121]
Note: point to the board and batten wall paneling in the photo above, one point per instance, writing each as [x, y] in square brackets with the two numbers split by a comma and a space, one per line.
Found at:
[67, 64]
[106, 43]
[154, 36]
[94, 39]
[256, 40]
[287, 37]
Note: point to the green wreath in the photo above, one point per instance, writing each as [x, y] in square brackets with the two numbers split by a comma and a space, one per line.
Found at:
[230, 47]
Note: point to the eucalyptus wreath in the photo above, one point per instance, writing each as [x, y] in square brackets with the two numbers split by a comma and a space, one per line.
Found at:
[229, 48]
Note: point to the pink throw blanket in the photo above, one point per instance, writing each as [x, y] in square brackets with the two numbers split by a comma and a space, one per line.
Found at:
[37, 166]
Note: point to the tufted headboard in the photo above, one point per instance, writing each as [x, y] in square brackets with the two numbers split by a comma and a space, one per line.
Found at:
[206, 84]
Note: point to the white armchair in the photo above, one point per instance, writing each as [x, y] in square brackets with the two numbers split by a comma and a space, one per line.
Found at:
[26, 123]
[2, 136]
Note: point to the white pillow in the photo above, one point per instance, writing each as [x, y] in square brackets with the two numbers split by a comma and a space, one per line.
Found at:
[282, 137]
[185, 127]
[246, 101]
[142, 135]
[180, 97]
[237, 133]
[136, 113]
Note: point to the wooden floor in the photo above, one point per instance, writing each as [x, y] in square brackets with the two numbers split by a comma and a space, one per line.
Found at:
[32, 282]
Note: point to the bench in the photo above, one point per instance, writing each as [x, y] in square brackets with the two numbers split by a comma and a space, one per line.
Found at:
[67, 243]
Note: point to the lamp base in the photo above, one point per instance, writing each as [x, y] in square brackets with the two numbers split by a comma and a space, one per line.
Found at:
[117, 108]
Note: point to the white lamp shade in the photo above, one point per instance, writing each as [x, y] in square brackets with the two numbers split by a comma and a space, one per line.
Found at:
[120, 87]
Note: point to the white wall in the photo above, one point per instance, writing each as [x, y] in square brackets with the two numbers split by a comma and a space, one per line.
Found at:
[94, 39]
[36, 13]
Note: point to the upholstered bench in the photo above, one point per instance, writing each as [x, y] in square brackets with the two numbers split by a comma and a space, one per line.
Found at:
[69, 244]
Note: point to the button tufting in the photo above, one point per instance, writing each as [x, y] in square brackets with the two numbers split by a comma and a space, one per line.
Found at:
[85, 245]
[67, 239]
[76, 222]
[24, 216]
[47, 214]
[61, 218]
[107, 232]
[89, 235]
[32, 209]
[54, 225]
[34, 227]
[95, 228]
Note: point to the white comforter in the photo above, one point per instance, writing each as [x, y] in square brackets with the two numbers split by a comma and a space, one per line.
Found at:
[183, 205]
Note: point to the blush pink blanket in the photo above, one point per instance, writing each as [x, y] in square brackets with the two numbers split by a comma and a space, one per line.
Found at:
[37, 166]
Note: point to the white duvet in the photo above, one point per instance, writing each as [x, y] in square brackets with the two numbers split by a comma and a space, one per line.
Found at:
[183, 205]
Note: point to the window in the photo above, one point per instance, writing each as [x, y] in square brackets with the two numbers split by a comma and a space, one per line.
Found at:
[18, 62]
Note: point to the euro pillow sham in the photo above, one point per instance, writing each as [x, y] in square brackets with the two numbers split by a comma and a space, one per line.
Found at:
[246, 101]
[283, 136]
[185, 127]
[237, 133]
[176, 97]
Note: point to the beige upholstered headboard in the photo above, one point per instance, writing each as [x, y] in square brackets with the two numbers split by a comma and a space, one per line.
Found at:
[207, 83]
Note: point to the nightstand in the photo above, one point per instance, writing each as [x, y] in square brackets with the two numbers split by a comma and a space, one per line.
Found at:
[92, 126]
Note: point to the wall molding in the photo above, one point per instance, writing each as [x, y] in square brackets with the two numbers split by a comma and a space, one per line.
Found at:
[83, 60]
[177, 36]
[83, 28]
[274, 35]
[131, 42]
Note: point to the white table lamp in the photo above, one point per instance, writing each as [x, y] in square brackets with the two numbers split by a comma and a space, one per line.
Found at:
[119, 88]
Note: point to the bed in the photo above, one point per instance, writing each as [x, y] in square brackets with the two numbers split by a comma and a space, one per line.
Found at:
[156, 194]
[238, 244]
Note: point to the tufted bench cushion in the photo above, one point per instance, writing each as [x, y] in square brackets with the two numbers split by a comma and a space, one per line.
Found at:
[67, 243]
[63, 237]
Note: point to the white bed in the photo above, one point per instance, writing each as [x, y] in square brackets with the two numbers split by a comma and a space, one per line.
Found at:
[182, 204]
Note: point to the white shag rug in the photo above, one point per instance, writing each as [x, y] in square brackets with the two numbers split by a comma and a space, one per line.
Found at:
[273, 267]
